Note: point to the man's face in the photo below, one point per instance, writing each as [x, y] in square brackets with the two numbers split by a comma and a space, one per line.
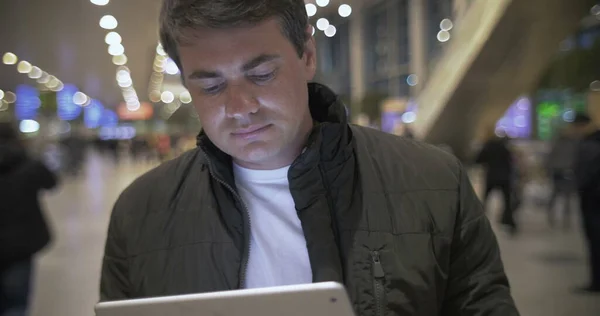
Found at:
[250, 90]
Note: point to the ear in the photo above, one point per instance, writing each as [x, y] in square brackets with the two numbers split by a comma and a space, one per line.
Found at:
[310, 54]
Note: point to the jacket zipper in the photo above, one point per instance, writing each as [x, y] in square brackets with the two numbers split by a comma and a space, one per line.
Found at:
[378, 277]
[247, 224]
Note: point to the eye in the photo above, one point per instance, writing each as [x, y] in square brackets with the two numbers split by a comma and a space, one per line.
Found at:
[262, 78]
[214, 89]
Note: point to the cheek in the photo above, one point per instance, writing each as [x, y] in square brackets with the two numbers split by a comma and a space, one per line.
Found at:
[209, 117]
[285, 98]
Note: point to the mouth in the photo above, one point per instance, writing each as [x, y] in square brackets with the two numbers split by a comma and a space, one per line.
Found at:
[250, 131]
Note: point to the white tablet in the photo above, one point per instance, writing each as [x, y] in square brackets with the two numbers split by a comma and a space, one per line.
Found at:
[317, 299]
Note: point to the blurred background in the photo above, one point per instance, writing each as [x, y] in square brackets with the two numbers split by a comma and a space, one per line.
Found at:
[94, 96]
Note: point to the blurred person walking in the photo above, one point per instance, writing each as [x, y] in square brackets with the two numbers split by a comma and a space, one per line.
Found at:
[75, 148]
[559, 163]
[587, 175]
[498, 160]
[23, 229]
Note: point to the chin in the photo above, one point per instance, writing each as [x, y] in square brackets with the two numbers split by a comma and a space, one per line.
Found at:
[258, 153]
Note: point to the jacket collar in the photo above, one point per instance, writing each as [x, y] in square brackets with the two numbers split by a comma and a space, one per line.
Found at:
[328, 138]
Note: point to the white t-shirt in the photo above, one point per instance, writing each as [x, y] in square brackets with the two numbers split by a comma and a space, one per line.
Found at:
[278, 254]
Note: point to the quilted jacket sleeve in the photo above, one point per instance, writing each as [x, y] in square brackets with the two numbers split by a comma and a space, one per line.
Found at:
[477, 283]
[114, 282]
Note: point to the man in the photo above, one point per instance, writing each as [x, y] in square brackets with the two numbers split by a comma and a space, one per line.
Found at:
[500, 171]
[559, 163]
[23, 228]
[587, 175]
[281, 190]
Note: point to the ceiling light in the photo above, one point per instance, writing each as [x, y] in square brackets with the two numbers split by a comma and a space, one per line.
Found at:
[79, 98]
[24, 67]
[10, 97]
[167, 97]
[322, 3]
[160, 50]
[594, 86]
[345, 10]
[35, 73]
[99, 2]
[119, 60]
[446, 25]
[59, 87]
[443, 36]
[125, 83]
[170, 67]
[311, 9]
[313, 30]
[53, 82]
[116, 49]
[129, 93]
[108, 22]
[156, 78]
[322, 24]
[133, 106]
[595, 10]
[9, 59]
[1, 94]
[154, 96]
[409, 117]
[185, 97]
[87, 102]
[412, 80]
[160, 57]
[125, 68]
[123, 76]
[160, 62]
[132, 101]
[113, 38]
[330, 31]
[29, 126]
[44, 78]
[157, 69]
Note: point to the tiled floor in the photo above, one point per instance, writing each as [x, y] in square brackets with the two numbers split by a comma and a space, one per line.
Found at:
[543, 265]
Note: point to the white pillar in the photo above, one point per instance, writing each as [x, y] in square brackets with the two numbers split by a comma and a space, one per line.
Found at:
[417, 30]
[357, 58]
[459, 7]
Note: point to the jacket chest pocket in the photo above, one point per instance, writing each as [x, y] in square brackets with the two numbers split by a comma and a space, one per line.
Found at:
[378, 275]
[402, 274]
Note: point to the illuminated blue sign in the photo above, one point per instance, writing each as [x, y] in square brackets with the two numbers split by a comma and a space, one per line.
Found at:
[93, 114]
[67, 110]
[28, 102]
[109, 118]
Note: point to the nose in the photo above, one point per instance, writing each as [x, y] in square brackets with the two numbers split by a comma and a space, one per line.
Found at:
[240, 102]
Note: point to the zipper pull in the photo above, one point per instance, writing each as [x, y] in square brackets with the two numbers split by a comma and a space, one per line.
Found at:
[377, 268]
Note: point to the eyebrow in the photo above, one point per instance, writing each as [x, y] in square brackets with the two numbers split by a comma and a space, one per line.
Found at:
[255, 62]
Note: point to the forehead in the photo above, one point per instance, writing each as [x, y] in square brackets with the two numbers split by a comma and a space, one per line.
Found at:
[213, 47]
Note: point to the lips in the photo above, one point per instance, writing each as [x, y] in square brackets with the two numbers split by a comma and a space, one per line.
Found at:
[250, 131]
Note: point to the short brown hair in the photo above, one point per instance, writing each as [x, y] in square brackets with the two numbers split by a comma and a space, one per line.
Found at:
[178, 16]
